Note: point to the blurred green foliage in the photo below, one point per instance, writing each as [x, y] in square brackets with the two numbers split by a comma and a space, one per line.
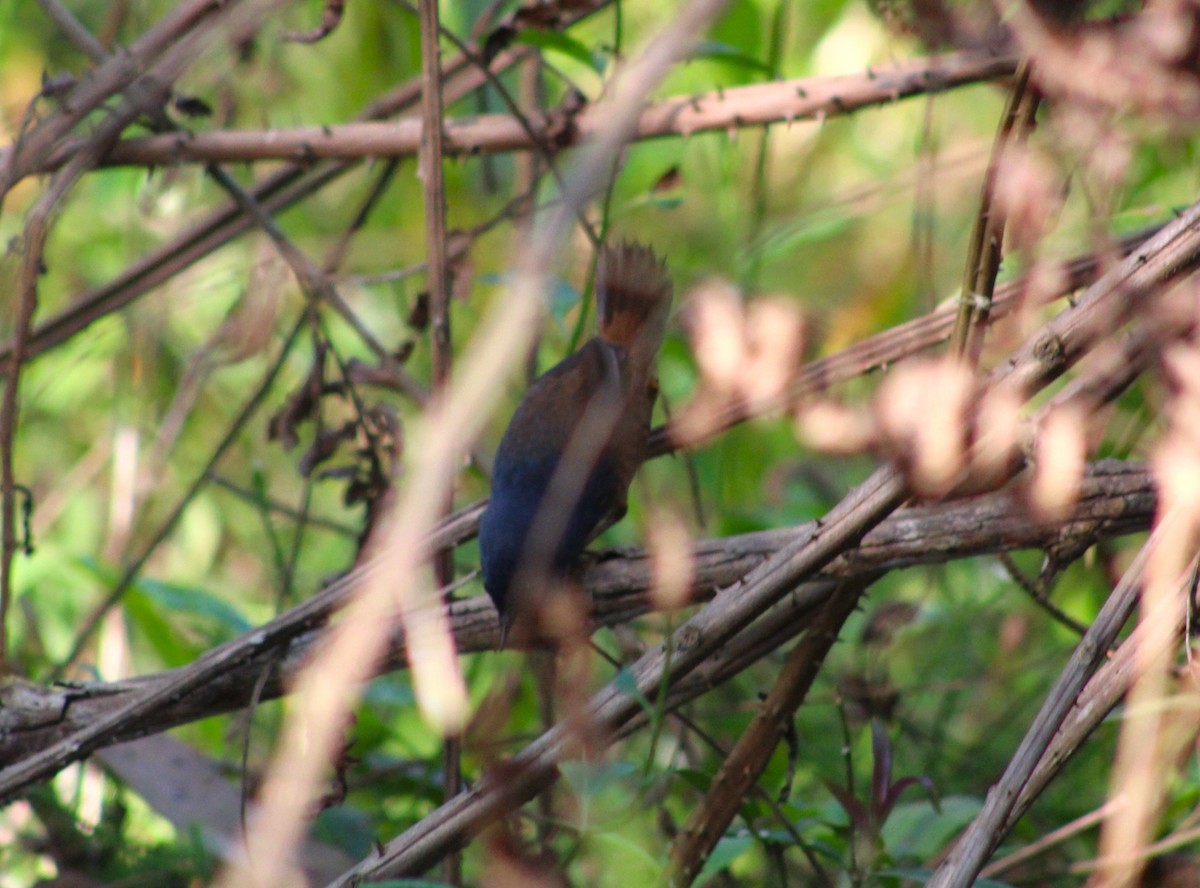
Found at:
[831, 224]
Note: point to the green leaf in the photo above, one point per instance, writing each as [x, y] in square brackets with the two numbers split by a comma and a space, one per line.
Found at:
[164, 638]
[347, 828]
[163, 614]
[563, 296]
[807, 231]
[589, 779]
[695, 778]
[556, 41]
[728, 849]
[390, 693]
[197, 602]
[717, 51]
[655, 200]
[923, 874]
[626, 684]
[916, 830]
[631, 853]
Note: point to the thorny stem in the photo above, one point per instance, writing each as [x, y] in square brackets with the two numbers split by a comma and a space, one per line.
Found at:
[987, 238]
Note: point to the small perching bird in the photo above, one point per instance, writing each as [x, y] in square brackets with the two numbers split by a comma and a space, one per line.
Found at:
[565, 463]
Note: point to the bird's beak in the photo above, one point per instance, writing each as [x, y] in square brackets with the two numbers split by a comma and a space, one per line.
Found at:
[505, 622]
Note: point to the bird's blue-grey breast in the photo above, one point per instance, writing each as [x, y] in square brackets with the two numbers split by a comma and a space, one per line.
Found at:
[563, 468]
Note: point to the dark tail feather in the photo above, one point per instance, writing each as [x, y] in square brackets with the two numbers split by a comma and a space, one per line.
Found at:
[633, 293]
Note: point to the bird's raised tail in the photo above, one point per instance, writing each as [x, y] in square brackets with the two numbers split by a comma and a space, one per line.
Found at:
[633, 295]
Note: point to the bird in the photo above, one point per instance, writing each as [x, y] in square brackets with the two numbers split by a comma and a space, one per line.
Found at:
[565, 462]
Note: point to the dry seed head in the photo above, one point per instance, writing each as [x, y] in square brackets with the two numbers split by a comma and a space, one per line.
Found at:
[835, 428]
[672, 562]
[1027, 190]
[1059, 456]
[922, 410]
[774, 334]
[1182, 365]
[717, 340]
[998, 431]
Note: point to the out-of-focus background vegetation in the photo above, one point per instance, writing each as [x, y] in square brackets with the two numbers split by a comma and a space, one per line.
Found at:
[861, 221]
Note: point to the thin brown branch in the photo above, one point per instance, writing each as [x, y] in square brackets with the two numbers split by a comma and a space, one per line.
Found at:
[437, 279]
[74, 30]
[985, 249]
[1100, 695]
[309, 277]
[145, 96]
[821, 371]
[748, 759]
[1115, 499]
[431, 174]
[330, 685]
[32, 247]
[540, 144]
[1037, 592]
[881, 350]
[787, 101]
[247, 412]
[1169, 243]
[781, 818]
[118, 73]
[1049, 841]
[700, 637]
[1106, 304]
[274, 193]
[1043, 358]
[1176, 245]
[745, 764]
[1014, 791]
[1099, 311]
